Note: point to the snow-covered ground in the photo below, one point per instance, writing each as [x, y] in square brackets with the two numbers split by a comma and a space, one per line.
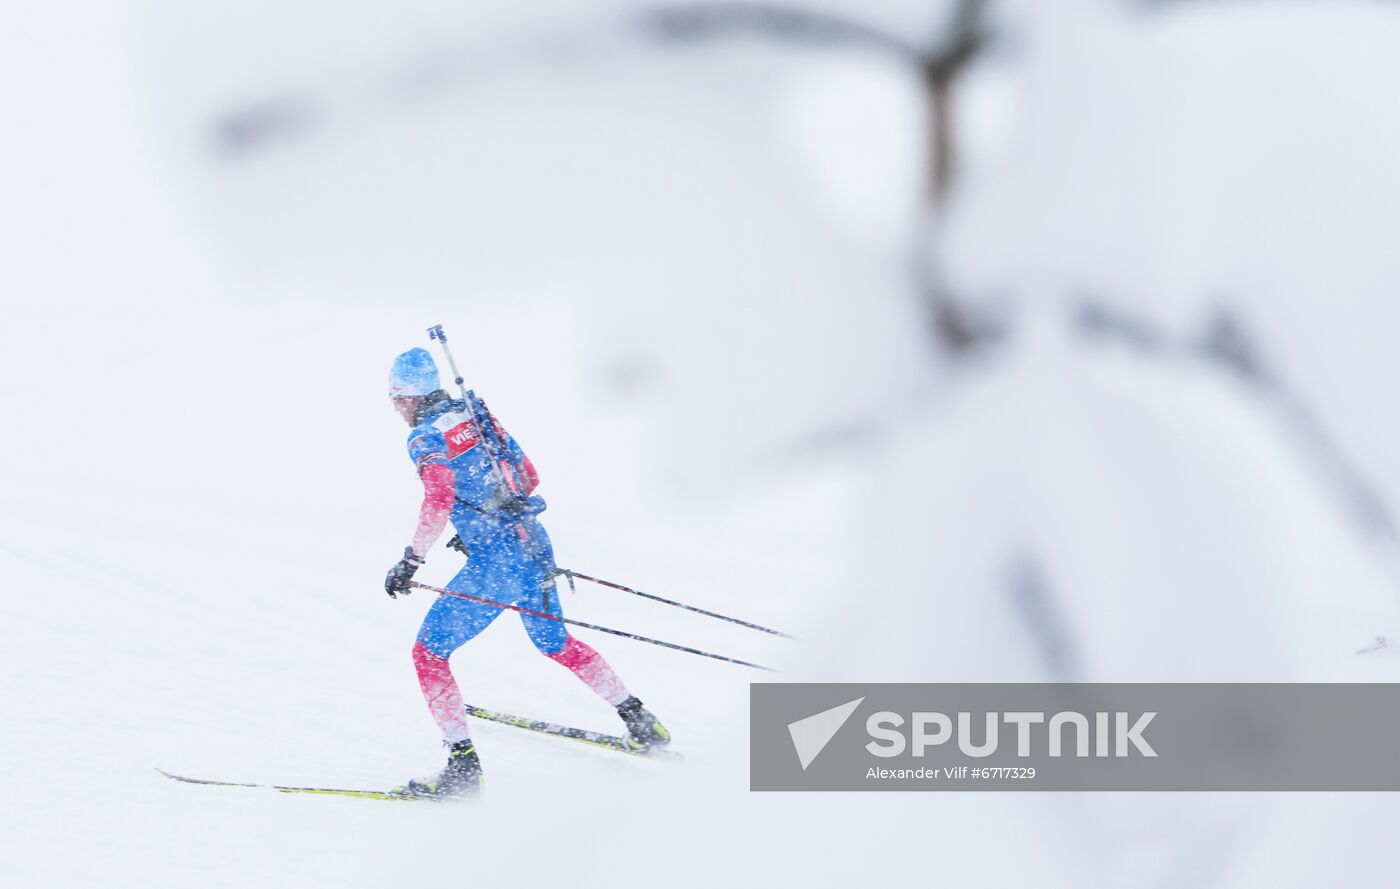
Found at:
[677, 279]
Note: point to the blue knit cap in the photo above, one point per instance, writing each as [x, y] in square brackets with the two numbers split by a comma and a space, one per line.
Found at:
[413, 373]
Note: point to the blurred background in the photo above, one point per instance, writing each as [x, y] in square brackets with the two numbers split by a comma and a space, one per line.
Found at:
[970, 340]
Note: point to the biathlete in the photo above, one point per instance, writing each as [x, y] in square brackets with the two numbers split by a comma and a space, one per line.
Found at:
[509, 560]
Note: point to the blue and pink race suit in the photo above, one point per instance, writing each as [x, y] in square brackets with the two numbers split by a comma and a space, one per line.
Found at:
[510, 560]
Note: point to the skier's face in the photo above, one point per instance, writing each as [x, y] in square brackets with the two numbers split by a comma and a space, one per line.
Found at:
[406, 405]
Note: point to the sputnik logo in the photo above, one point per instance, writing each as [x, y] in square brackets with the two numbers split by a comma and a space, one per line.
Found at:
[811, 735]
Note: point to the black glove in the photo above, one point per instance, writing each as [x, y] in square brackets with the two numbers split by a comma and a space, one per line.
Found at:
[457, 544]
[401, 574]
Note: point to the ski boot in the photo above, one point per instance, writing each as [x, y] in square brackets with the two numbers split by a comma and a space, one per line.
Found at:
[461, 777]
[644, 731]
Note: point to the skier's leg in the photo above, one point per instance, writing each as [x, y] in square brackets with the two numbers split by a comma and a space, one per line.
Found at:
[442, 694]
[643, 728]
[448, 625]
[552, 639]
[534, 577]
[589, 666]
[462, 774]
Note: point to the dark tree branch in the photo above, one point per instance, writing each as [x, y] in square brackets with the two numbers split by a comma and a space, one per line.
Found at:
[714, 20]
[938, 66]
[1227, 345]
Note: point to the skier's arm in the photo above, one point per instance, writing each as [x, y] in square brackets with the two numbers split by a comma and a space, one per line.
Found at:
[525, 475]
[438, 496]
[439, 493]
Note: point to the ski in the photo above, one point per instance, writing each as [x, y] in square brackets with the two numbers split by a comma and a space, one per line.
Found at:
[597, 739]
[322, 791]
[619, 743]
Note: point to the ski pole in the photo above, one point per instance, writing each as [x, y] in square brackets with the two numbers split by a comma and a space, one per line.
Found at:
[626, 589]
[579, 623]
